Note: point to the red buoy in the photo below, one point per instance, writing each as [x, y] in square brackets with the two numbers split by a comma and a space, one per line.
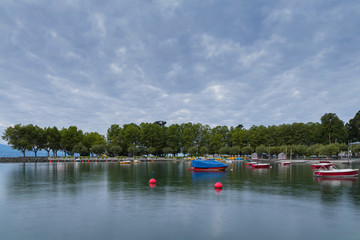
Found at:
[152, 181]
[218, 185]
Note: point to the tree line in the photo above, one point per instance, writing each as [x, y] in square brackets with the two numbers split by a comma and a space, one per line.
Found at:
[328, 137]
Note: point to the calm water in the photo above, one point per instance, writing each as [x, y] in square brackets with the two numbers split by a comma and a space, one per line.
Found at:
[112, 201]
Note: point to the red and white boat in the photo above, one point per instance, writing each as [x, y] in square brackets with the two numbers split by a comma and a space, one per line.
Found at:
[322, 164]
[285, 163]
[336, 173]
[260, 165]
[250, 163]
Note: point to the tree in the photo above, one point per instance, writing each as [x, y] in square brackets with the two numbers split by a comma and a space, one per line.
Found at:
[247, 150]
[133, 150]
[224, 150]
[81, 149]
[329, 150]
[353, 128]
[203, 150]
[174, 138]
[235, 150]
[152, 135]
[262, 149]
[151, 150]
[36, 137]
[193, 150]
[115, 150]
[18, 138]
[91, 139]
[114, 135]
[69, 138]
[53, 139]
[168, 150]
[98, 149]
[333, 128]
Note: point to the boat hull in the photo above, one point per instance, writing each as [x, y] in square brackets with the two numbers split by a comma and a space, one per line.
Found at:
[320, 165]
[217, 169]
[260, 165]
[340, 173]
[284, 163]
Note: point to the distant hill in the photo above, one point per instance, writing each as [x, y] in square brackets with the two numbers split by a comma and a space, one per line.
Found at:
[7, 151]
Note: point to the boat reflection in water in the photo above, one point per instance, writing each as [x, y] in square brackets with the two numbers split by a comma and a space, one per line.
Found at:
[207, 176]
[336, 182]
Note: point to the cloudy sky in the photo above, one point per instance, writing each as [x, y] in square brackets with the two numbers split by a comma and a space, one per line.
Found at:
[227, 62]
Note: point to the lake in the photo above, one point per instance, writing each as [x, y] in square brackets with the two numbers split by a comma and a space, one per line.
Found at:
[113, 201]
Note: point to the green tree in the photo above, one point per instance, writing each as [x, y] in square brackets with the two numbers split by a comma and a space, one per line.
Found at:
[174, 138]
[115, 150]
[151, 150]
[235, 150]
[92, 138]
[18, 138]
[224, 150]
[203, 150]
[333, 128]
[193, 150]
[168, 150]
[52, 139]
[81, 149]
[152, 135]
[247, 150]
[353, 128]
[69, 138]
[133, 150]
[98, 149]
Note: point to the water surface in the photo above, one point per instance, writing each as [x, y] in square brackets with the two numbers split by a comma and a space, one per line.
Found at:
[113, 201]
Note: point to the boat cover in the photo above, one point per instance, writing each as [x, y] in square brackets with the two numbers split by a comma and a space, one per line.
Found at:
[207, 164]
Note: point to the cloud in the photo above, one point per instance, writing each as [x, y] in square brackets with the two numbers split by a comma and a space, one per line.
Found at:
[93, 64]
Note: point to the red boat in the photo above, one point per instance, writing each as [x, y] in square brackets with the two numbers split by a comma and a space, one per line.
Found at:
[320, 165]
[260, 165]
[336, 173]
[285, 163]
[250, 163]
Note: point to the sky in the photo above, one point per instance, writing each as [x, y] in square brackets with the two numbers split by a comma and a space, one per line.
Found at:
[92, 64]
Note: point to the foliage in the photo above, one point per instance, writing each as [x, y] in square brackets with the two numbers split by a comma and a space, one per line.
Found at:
[98, 149]
[81, 149]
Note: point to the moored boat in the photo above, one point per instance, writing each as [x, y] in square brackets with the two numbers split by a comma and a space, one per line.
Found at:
[260, 165]
[285, 163]
[250, 163]
[336, 173]
[207, 165]
[320, 165]
[125, 162]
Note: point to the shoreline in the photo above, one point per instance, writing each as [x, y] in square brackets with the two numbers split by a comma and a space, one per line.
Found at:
[131, 159]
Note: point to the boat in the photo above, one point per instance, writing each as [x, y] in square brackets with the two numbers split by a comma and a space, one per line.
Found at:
[250, 163]
[260, 165]
[285, 163]
[333, 172]
[136, 161]
[207, 165]
[322, 164]
[125, 162]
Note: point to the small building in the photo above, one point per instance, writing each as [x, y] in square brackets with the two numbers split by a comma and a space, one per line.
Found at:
[254, 156]
[282, 156]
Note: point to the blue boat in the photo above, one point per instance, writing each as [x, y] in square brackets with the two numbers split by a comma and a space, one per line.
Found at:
[207, 165]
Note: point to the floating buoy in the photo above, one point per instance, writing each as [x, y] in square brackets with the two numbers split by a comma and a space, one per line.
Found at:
[152, 181]
[218, 185]
[50, 160]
